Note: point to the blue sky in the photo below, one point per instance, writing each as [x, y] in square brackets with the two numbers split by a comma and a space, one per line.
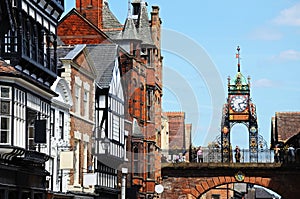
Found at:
[268, 33]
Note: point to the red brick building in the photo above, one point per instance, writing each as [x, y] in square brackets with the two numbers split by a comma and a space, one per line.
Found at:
[177, 133]
[176, 130]
[80, 75]
[141, 71]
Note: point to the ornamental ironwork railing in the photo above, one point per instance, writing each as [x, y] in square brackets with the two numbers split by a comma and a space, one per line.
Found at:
[212, 154]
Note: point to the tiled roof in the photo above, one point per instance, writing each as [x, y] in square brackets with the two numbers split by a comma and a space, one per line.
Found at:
[103, 57]
[7, 69]
[109, 19]
[287, 124]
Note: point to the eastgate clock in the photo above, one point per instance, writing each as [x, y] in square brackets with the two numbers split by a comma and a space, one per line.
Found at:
[238, 103]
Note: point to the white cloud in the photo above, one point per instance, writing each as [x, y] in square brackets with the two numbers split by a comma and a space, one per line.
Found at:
[289, 16]
[265, 34]
[288, 55]
[263, 83]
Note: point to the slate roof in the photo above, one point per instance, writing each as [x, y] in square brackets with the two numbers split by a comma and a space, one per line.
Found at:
[263, 194]
[136, 132]
[109, 19]
[114, 34]
[62, 52]
[129, 32]
[103, 57]
[144, 31]
[287, 124]
[135, 28]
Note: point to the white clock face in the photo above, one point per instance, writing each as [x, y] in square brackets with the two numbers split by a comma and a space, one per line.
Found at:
[238, 103]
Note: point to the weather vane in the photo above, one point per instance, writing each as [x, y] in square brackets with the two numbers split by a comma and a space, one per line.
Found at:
[238, 57]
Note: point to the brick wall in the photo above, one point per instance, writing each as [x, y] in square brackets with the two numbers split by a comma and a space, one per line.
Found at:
[73, 29]
[176, 129]
[92, 10]
[194, 180]
[79, 122]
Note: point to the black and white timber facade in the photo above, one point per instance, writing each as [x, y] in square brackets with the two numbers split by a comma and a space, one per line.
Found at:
[27, 70]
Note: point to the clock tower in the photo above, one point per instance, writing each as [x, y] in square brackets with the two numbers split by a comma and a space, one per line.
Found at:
[239, 109]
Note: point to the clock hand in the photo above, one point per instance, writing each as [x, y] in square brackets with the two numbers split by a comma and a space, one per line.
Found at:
[241, 105]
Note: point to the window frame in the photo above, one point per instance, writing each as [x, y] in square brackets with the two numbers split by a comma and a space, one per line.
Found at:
[5, 129]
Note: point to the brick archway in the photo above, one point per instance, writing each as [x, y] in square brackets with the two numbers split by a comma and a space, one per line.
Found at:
[191, 181]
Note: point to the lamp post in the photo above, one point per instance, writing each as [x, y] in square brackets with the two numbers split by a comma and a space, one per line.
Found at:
[105, 144]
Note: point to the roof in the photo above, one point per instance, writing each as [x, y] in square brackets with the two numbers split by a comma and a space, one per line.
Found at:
[136, 132]
[129, 31]
[264, 194]
[109, 19]
[287, 124]
[103, 57]
[239, 78]
[143, 29]
[75, 52]
[89, 23]
[62, 51]
[8, 70]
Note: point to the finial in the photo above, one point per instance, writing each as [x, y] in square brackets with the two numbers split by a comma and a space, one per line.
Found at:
[228, 80]
[249, 81]
[129, 10]
[238, 57]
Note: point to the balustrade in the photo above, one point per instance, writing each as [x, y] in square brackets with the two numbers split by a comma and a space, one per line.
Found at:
[214, 155]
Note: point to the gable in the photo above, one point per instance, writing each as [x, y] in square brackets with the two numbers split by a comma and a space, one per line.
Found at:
[84, 63]
[115, 84]
[75, 29]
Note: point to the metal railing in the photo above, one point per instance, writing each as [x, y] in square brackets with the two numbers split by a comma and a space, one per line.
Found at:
[211, 155]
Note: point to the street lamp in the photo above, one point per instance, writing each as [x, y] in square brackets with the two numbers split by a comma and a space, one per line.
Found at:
[105, 143]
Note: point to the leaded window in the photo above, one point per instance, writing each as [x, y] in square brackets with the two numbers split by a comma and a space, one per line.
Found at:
[5, 116]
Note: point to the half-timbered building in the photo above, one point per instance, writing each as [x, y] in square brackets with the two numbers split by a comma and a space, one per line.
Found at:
[28, 69]
[110, 135]
[92, 22]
